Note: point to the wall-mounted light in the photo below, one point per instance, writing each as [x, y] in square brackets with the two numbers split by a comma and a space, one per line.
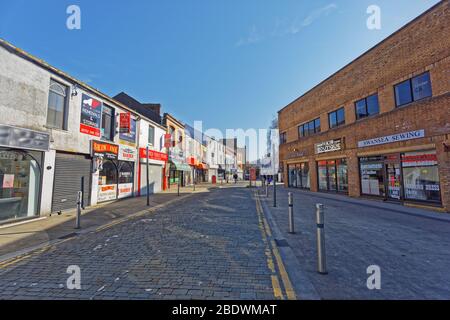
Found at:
[74, 90]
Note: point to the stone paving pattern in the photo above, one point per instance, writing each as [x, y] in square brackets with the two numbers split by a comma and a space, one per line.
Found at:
[208, 246]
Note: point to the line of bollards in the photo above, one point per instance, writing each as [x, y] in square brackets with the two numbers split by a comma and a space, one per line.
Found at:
[320, 232]
[79, 205]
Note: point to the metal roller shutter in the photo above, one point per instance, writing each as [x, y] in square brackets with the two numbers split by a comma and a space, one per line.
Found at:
[69, 168]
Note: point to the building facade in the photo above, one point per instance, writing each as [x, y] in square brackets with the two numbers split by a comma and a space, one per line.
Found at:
[379, 127]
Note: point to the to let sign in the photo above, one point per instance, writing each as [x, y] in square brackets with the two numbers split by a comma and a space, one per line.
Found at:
[125, 122]
[91, 115]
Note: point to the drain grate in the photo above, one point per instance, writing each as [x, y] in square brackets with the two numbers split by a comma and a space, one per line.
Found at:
[281, 243]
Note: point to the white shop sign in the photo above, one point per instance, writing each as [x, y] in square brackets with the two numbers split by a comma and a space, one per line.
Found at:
[127, 153]
[107, 193]
[125, 190]
[393, 138]
[328, 146]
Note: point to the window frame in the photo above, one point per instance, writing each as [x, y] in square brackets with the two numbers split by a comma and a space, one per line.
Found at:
[113, 124]
[335, 113]
[411, 89]
[366, 107]
[65, 106]
[304, 129]
[148, 135]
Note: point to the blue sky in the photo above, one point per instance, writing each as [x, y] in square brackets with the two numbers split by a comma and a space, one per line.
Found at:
[230, 63]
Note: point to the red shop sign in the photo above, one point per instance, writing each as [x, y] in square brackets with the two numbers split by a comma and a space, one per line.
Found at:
[125, 122]
[153, 155]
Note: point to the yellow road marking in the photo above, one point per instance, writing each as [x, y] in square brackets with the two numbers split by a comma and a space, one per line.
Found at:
[276, 288]
[272, 251]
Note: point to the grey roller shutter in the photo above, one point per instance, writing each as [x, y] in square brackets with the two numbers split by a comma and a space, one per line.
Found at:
[69, 168]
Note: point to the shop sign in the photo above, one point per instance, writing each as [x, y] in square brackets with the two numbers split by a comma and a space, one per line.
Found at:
[19, 138]
[105, 150]
[295, 154]
[125, 122]
[107, 193]
[328, 146]
[419, 160]
[91, 115]
[153, 155]
[125, 190]
[176, 155]
[393, 138]
[127, 153]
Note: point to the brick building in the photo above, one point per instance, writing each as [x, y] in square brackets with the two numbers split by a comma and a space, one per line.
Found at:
[380, 126]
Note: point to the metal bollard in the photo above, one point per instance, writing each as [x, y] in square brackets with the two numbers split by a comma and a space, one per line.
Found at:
[267, 190]
[321, 254]
[78, 218]
[291, 213]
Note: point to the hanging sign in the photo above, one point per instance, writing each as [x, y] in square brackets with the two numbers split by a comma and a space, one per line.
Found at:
[91, 115]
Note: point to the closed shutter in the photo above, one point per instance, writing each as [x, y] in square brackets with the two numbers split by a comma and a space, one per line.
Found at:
[69, 168]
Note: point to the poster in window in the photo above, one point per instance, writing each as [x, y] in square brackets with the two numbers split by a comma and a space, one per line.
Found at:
[91, 115]
[130, 136]
[8, 181]
[107, 193]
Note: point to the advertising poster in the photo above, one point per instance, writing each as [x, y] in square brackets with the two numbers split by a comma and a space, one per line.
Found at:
[8, 181]
[107, 193]
[91, 115]
[131, 135]
[125, 122]
[125, 190]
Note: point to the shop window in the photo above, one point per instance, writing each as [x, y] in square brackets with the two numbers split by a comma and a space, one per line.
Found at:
[336, 118]
[108, 126]
[342, 175]
[333, 175]
[126, 173]
[367, 107]
[20, 177]
[322, 175]
[57, 106]
[413, 89]
[372, 176]
[108, 175]
[421, 176]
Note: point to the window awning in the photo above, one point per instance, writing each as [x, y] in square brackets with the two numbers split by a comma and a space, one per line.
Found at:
[179, 166]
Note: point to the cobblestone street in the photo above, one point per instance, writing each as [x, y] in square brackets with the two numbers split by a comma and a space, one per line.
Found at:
[209, 246]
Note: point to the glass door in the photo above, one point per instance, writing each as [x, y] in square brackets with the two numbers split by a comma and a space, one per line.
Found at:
[393, 181]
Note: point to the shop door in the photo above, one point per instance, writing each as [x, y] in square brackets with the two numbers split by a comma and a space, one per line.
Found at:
[69, 169]
[393, 181]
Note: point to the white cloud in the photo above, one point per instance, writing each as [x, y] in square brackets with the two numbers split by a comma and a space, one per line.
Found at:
[317, 14]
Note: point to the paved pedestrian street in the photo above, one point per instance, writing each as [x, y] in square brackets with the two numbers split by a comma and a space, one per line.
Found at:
[211, 245]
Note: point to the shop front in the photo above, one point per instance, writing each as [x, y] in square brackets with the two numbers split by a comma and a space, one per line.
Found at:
[332, 174]
[401, 176]
[106, 160]
[410, 176]
[127, 159]
[157, 162]
[21, 157]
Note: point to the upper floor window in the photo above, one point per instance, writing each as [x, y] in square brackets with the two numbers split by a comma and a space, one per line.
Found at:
[108, 126]
[310, 128]
[336, 118]
[57, 106]
[367, 107]
[151, 135]
[283, 138]
[413, 89]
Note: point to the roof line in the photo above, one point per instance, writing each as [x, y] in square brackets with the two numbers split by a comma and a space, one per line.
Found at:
[31, 58]
[366, 52]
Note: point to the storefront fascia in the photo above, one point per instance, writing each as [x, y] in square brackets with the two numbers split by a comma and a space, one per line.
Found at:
[154, 158]
[105, 158]
[22, 153]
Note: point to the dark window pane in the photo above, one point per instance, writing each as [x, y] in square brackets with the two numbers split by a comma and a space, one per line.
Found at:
[340, 117]
[56, 105]
[317, 125]
[311, 128]
[372, 105]
[361, 110]
[108, 123]
[403, 93]
[332, 119]
[421, 86]
[301, 131]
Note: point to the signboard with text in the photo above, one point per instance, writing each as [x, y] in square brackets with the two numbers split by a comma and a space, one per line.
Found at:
[125, 122]
[91, 115]
[328, 146]
[152, 155]
[393, 138]
[105, 150]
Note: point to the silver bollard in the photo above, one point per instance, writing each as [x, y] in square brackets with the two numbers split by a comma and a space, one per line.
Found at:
[321, 254]
[78, 218]
[267, 190]
[291, 213]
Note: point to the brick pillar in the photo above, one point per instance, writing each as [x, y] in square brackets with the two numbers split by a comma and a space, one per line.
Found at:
[313, 174]
[444, 173]
[354, 189]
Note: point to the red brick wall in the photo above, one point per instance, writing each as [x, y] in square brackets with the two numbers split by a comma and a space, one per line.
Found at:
[421, 46]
